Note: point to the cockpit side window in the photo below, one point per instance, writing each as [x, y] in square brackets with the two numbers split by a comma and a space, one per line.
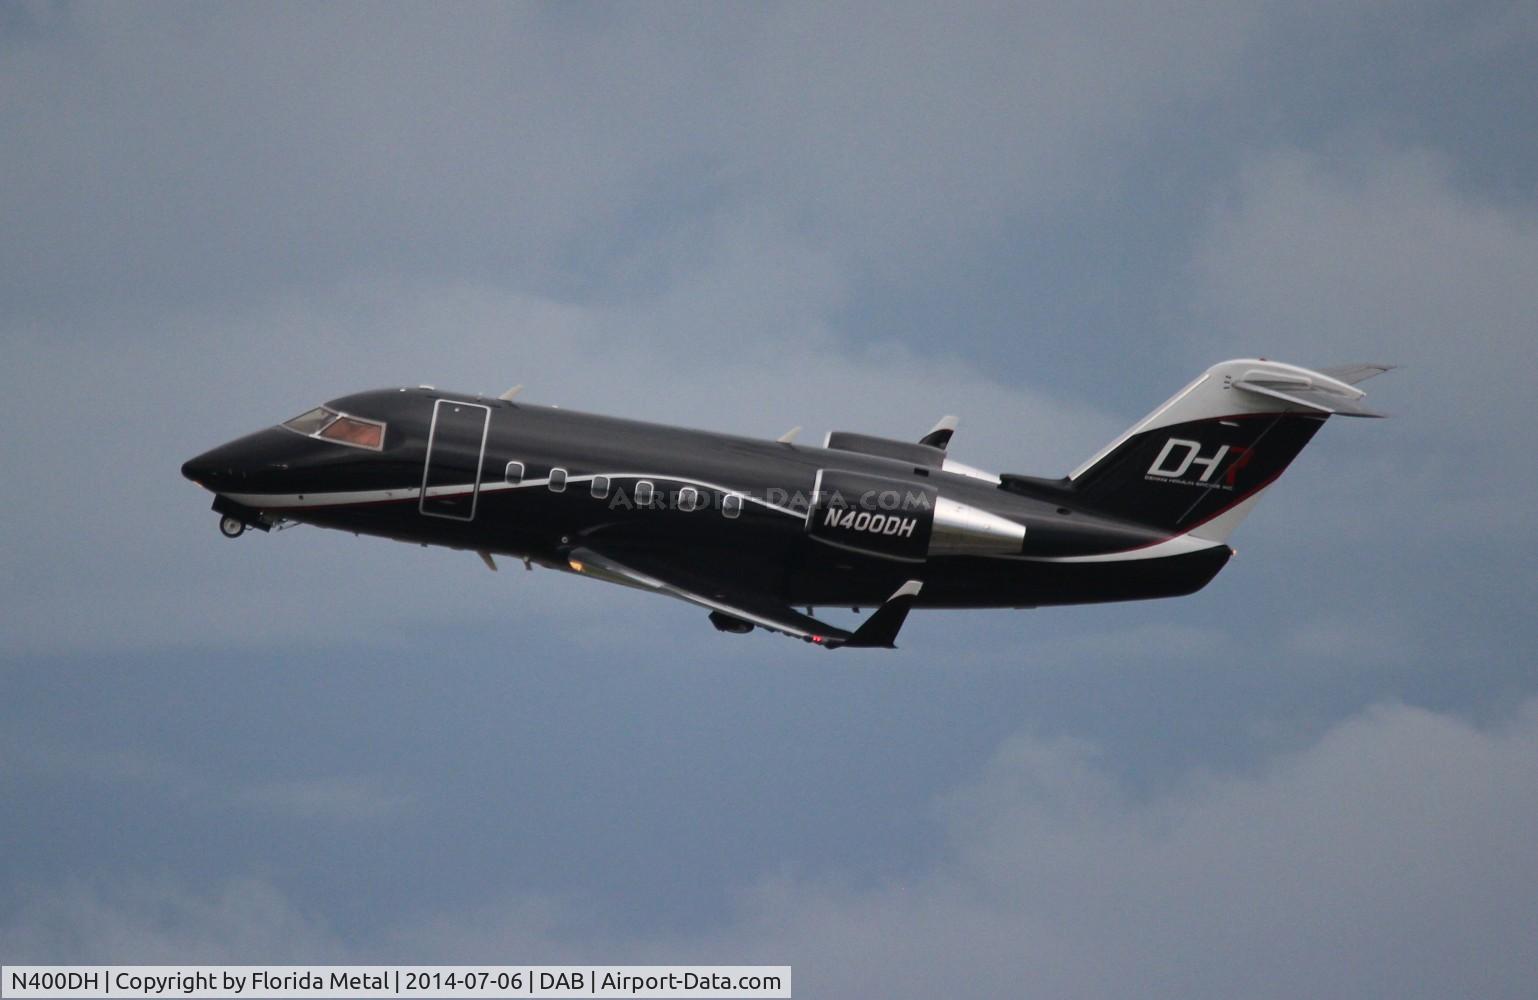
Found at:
[340, 428]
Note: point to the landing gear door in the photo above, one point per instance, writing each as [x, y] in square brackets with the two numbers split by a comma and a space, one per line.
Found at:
[456, 446]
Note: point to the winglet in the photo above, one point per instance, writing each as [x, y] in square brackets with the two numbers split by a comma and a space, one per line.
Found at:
[940, 436]
[881, 628]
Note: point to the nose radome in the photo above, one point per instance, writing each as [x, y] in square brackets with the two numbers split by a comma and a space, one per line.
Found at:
[202, 470]
[257, 463]
[220, 468]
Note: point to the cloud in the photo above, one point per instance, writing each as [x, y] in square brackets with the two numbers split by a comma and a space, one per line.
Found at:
[1375, 254]
[325, 799]
[206, 156]
[1335, 639]
[904, 134]
[1152, 641]
[1389, 857]
[162, 921]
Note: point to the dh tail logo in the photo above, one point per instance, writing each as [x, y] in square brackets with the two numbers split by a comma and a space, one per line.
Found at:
[1179, 454]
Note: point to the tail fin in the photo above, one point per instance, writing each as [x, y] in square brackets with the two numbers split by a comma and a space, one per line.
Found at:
[1198, 463]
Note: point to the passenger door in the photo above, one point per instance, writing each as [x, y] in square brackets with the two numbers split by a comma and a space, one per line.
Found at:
[456, 446]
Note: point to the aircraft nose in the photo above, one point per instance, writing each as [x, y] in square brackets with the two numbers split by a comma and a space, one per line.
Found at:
[207, 470]
[234, 464]
[264, 462]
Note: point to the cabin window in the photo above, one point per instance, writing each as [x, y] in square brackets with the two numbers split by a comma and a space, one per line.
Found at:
[688, 498]
[600, 487]
[514, 473]
[731, 506]
[557, 480]
[643, 493]
[356, 432]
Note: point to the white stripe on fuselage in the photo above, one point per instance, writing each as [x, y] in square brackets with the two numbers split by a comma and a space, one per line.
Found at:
[1179, 545]
[353, 498]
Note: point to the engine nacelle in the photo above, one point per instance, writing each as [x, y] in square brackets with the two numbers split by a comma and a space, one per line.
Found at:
[872, 514]
[904, 521]
[903, 451]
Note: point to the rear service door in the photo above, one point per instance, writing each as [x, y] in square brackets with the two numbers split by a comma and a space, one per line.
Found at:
[451, 479]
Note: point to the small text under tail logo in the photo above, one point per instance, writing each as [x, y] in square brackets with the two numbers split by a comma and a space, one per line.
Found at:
[1178, 456]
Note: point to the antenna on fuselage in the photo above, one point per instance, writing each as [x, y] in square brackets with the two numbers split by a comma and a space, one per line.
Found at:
[509, 394]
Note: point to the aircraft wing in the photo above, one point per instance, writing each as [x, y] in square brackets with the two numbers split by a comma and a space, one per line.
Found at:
[637, 569]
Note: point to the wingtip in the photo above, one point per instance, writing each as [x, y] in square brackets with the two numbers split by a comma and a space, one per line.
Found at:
[881, 628]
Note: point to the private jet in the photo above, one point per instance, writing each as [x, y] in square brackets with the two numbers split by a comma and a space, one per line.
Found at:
[753, 530]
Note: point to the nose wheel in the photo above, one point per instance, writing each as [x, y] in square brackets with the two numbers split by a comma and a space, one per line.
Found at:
[235, 518]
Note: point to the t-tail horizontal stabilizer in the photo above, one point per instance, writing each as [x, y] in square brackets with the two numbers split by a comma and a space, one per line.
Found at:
[1352, 374]
[1314, 390]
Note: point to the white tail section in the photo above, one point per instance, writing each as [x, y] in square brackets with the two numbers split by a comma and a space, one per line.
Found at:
[1197, 464]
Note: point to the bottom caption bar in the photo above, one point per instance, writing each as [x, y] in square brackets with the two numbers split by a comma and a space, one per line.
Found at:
[132, 981]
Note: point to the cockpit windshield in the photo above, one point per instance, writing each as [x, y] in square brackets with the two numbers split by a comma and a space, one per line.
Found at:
[311, 421]
[341, 428]
[351, 430]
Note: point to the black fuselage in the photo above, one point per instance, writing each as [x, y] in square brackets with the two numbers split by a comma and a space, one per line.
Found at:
[535, 482]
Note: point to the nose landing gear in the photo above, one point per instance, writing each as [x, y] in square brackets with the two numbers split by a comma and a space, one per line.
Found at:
[235, 518]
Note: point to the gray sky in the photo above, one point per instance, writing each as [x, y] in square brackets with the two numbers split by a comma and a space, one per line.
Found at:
[1317, 777]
